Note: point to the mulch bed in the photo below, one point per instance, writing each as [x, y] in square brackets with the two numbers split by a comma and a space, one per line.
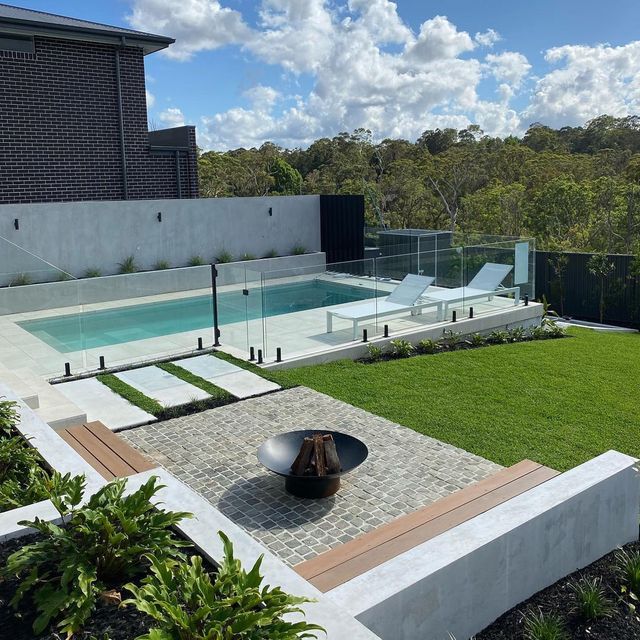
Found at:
[560, 600]
[124, 623]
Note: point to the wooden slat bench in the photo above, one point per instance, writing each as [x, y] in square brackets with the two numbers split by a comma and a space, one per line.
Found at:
[104, 451]
[334, 567]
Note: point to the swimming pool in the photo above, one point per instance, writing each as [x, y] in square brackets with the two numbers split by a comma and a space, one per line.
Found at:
[78, 331]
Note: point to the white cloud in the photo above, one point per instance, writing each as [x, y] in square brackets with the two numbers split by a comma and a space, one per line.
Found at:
[509, 66]
[370, 69]
[590, 81]
[488, 38]
[197, 25]
[172, 117]
[151, 99]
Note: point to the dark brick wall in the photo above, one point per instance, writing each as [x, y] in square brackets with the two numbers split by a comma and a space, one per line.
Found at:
[59, 128]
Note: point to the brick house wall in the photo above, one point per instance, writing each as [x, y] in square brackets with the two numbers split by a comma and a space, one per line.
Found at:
[59, 128]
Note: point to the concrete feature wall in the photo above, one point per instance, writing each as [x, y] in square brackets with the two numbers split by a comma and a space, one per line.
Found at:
[76, 236]
[464, 579]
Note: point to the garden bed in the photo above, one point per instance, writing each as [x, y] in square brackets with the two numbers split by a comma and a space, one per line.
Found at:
[559, 601]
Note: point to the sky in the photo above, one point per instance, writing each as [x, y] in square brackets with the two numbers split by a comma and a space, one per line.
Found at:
[291, 71]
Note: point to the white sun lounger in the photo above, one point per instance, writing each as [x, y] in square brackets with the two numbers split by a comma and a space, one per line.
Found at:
[403, 299]
[487, 283]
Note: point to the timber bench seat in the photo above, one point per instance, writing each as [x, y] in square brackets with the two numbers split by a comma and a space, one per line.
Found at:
[339, 565]
[110, 456]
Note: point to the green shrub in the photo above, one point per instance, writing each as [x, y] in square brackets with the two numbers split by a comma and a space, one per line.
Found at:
[223, 257]
[272, 253]
[63, 276]
[554, 330]
[161, 265]
[628, 565]
[186, 603]
[538, 626]
[23, 479]
[128, 265]
[92, 272]
[591, 600]
[196, 261]
[449, 340]
[498, 337]
[477, 340]
[427, 346]
[374, 352]
[517, 334]
[21, 280]
[247, 256]
[399, 348]
[100, 546]
[298, 250]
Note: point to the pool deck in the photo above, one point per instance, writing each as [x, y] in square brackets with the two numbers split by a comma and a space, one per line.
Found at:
[298, 333]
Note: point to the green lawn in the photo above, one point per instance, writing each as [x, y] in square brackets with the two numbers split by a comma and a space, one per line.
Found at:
[558, 402]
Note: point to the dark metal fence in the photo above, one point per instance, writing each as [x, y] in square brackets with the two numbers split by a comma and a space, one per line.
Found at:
[576, 293]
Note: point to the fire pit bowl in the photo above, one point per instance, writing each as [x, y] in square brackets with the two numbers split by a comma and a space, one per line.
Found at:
[278, 453]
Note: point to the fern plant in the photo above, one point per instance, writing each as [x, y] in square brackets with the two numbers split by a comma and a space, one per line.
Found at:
[100, 546]
[187, 604]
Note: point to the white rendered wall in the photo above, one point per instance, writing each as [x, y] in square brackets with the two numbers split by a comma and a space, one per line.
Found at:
[461, 581]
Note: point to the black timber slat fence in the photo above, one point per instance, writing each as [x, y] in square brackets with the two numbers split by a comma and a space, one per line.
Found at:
[342, 227]
[578, 295]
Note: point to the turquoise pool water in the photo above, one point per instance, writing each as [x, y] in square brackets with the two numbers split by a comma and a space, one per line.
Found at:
[116, 326]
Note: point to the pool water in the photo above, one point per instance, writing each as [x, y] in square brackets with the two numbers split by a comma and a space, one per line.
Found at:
[92, 329]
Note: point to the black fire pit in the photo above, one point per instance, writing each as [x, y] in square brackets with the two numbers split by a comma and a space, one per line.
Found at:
[278, 453]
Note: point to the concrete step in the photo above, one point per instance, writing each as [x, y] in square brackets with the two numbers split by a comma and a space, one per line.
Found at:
[53, 407]
[20, 387]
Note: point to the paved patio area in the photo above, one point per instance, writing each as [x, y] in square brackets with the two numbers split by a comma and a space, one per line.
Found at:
[215, 453]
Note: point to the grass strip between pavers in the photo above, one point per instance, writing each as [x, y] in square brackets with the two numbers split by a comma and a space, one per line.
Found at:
[131, 394]
[249, 366]
[196, 381]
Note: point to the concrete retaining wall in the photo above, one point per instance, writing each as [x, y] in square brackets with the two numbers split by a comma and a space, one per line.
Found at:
[76, 236]
[461, 581]
[52, 295]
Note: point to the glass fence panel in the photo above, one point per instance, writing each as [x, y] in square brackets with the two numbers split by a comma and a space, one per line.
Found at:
[296, 301]
[233, 306]
[35, 297]
[130, 318]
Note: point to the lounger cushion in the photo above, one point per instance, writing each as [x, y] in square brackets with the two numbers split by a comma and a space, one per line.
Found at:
[409, 290]
[490, 276]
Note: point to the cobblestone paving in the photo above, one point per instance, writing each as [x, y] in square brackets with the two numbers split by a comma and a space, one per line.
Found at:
[214, 452]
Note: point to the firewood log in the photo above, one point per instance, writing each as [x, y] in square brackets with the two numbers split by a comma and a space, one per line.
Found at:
[303, 459]
[331, 454]
[318, 450]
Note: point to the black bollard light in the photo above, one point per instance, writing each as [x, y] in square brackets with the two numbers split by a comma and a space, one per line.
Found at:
[278, 354]
[470, 312]
[102, 365]
[200, 347]
[454, 317]
[252, 354]
[386, 330]
[526, 300]
[259, 356]
[365, 337]
[67, 369]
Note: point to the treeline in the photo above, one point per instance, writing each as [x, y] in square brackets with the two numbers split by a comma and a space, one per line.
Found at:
[572, 188]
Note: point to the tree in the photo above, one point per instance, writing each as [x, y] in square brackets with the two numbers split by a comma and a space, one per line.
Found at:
[286, 179]
[601, 267]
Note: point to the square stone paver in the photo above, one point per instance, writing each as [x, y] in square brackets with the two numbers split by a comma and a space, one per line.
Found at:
[214, 452]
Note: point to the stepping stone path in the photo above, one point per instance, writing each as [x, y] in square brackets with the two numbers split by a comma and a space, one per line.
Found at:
[163, 387]
[102, 404]
[237, 381]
